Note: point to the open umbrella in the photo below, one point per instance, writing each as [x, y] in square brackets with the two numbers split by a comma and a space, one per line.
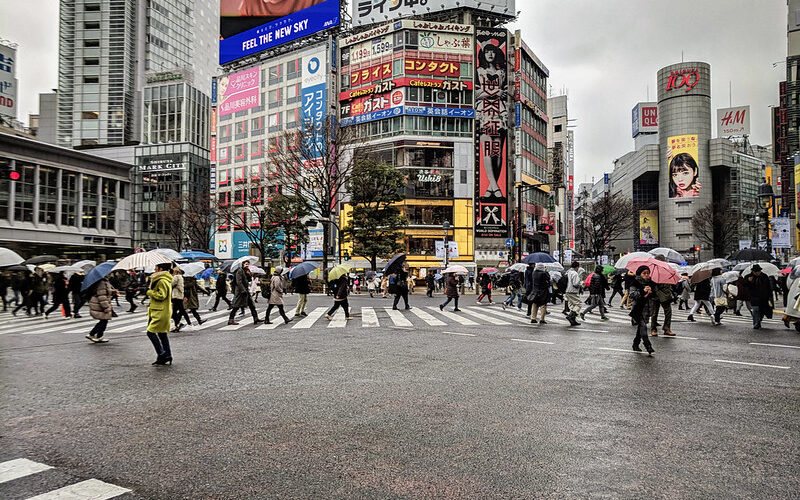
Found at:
[85, 264]
[207, 273]
[488, 270]
[194, 255]
[339, 271]
[555, 275]
[456, 269]
[46, 267]
[142, 260]
[537, 257]
[97, 273]
[16, 268]
[238, 262]
[286, 271]
[730, 276]
[750, 254]
[437, 276]
[721, 262]
[608, 269]
[41, 259]
[66, 269]
[172, 254]
[622, 263]
[519, 267]
[701, 275]
[660, 272]
[394, 263]
[669, 254]
[786, 270]
[704, 266]
[370, 275]
[226, 266]
[766, 268]
[305, 268]
[256, 271]
[9, 257]
[192, 268]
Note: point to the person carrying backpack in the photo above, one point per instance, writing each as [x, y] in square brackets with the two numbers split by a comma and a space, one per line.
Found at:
[598, 284]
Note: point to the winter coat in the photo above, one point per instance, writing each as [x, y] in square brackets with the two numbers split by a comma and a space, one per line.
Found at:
[222, 283]
[616, 283]
[573, 282]
[640, 302]
[528, 281]
[190, 292]
[60, 288]
[717, 288]
[759, 288]
[302, 285]
[792, 308]
[541, 287]
[159, 312]
[241, 288]
[598, 285]
[683, 289]
[75, 282]
[663, 293]
[514, 281]
[702, 290]
[177, 286]
[38, 284]
[100, 303]
[401, 282]
[451, 286]
[342, 289]
[431, 281]
[276, 290]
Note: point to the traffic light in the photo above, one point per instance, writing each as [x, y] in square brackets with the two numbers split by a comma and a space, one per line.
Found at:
[9, 173]
[696, 249]
[546, 228]
[346, 255]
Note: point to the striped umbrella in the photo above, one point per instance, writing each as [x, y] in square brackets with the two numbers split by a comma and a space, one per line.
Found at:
[141, 260]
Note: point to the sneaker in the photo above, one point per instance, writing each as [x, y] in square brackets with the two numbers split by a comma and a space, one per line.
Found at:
[92, 338]
[304, 314]
[654, 333]
[457, 310]
[603, 318]
[101, 339]
[441, 307]
[232, 322]
[583, 316]
[329, 317]
[348, 318]
[690, 318]
[503, 305]
[637, 348]
[669, 333]
[542, 322]
[533, 321]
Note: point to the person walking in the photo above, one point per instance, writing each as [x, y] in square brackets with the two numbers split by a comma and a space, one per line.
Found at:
[25, 287]
[385, 286]
[75, 283]
[191, 300]
[242, 299]
[486, 288]
[100, 309]
[178, 311]
[38, 293]
[159, 312]
[302, 286]
[640, 290]
[682, 289]
[451, 291]
[276, 290]
[60, 295]
[598, 284]
[760, 292]
[571, 294]
[515, 286]
[718, 296]
[662, 297]
[616, 288]
[627, 279]
[401, 288]
[702, 292]
[221, 289]
[5, 282]
[131, 290]
[340, 292]
[430, 282]
[539, 295]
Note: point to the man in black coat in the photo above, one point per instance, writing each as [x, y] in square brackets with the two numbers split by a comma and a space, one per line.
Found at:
[760, 291]
[302, 286]
[222, 290]
[598, 284]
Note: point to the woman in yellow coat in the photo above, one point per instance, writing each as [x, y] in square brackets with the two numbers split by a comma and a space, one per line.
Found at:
[159, 313]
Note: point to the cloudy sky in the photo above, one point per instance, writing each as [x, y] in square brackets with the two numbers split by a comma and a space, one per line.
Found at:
[604, 54]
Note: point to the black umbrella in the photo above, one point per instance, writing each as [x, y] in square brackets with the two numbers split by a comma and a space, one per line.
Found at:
[16, 268]
[394, 262]
[41, 259]
[750, 254]
[226, 266]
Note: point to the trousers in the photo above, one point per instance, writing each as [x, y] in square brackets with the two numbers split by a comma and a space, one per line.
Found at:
[302, 301]
[667, 307]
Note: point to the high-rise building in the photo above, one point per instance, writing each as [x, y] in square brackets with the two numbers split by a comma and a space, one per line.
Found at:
[561, 154]
[791, 113]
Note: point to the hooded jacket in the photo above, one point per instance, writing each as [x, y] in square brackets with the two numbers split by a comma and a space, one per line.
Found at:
[159, 312]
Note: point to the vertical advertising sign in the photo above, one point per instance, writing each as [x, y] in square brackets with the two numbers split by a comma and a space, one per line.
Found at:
[240, 91]
[648, 227]
[733, 121]
[8, 81]
[314, 98]
[491, 134]
[682, 157]
[781, 238]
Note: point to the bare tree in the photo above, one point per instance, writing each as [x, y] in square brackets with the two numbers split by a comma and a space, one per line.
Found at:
[189, 221]
[717, 228]
[174, 222]
[605, 220]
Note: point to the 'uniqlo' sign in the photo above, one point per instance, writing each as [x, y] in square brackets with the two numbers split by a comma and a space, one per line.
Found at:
[644, 118]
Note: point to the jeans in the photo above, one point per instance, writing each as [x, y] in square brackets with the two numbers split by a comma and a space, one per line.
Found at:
[280, 310]
[404, 295]
[667, 307]
[344, 305]
[706, 305]
[597, 301]
[641, 335]
[99, 328]
[160, 343]
[444, 304]
[178, 312]
[758, 314]
[302, 300]
[614, 294]
[514, 294]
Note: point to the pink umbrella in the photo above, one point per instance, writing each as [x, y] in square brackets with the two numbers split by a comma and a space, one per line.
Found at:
[660, 271]
[787, 270]
[488, 270]
[588, 280]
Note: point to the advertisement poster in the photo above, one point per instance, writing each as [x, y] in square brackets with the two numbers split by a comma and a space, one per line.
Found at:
[682, 155]
[733, 121]
[648, 227]
[8, 81]
[491, 131]
[781, 237]
[376, 11]
[314, 97]
[223, 249]
[240, 91]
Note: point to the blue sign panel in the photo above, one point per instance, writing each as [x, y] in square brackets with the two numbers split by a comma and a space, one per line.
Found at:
[299, 24]
[214, 92]
[518, 115]
[408, 110]
[241, 245]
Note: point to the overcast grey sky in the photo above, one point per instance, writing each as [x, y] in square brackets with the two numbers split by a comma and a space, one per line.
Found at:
[604, 53]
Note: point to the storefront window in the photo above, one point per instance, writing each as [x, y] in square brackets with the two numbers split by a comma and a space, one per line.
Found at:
[48, 195]
[427, 215]
[69, 198]
[5, 190]
[109, 205]
[89, 216]
[421, 246]
[429, 183]
[24, 193]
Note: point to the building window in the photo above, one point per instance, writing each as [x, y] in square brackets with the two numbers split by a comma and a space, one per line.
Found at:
[91, 79]
[91, 25]
[293, 69]
[274, 97]
[109, 205]
[48, 195]
[257, 125]
[91, 62]
[428, 215]
[24, 193]
[422, 246]
[90, 115]
[275, 74]
[257, 149]
[293, 93]
[5, 190]
[89, 215]
[69, 198]
[91, 43]
[274, 122]
[240, 152]
[557, 128]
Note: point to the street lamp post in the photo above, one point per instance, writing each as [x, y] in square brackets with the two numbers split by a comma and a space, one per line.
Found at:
[765, 198]
[445, 228]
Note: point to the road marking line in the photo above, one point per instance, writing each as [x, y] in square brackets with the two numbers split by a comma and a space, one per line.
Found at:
[20, 467]
[462, 334]
[309, 320]
[679, 337]
[532, 341]
[267, 326]
[93, 489]
[369, 319]
[592, 331]
[427, 318]
[454, 317]
[752, 364]
[397, 318]
[484, 318]
[618, 349]
[339, 320]
[223, 317]
[776, 345]
[493, 314]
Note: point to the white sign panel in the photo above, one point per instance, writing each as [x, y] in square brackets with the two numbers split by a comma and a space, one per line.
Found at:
[379, 11]
[439, 249]
[567, 256]
[733, 121]
[371, 49]
[744, 244]
[8, 81]
[452, 249]
[223, 245]
[781, 234]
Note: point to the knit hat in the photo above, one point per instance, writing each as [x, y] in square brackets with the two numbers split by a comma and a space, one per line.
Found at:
[641, 269]
[598, 269]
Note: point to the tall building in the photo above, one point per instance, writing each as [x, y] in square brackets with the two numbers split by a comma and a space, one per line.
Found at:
[560, 145]
[790, 91]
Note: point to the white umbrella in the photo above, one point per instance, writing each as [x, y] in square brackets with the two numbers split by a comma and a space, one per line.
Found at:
[704, 266]
[456, 269]
[622, 263]
[238, 262]
[721, 262]
[553, 266]
[67, 269]
[83, 264]
[172, 254]
[766, 268]
[519, 267]
[9, 257]
[730, 276]
[555, 275]
[141, 259]
[192, 268]
[255, 270]
[794, 262]
[669, 254]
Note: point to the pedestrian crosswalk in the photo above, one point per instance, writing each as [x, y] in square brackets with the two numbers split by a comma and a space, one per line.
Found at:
[18, 469]
[368, 316]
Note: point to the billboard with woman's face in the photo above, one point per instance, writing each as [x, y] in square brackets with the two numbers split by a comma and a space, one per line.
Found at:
[683, 171]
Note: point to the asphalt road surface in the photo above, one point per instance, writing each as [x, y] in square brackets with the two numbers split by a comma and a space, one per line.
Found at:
[400, 404]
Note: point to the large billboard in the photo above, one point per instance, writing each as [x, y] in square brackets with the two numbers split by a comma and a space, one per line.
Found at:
[683, 160]
[8, 81]
[251, 26]
[644, 118]
[648, 227]
[314, 96]
[239, 91]
[733, 121]
[491, 131]
[378, 11]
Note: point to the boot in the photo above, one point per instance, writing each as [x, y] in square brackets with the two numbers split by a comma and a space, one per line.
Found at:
[636, 347]
[690, 318]
[571, 318]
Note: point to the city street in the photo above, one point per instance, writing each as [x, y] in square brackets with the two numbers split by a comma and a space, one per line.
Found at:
[416, 403]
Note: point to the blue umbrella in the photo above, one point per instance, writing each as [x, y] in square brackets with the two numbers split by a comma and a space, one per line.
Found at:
[198, 255]
[96, 274]
[395, 261]
[302, 269]
[538, 257]
[207, 273]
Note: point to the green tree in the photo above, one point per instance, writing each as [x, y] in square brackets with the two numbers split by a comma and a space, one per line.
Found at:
[285, 214]
[375, 228]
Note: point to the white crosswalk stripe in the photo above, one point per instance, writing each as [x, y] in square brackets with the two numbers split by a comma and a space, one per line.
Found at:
[504, 315]
[20, 467]
[455, 317]
[427, 318]
[339, 320]
[369, 319]
[482, 317]
[397, 317]
[309, 320]
[90, 489]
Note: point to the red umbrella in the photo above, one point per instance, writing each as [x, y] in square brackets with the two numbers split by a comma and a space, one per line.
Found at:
[660, 271]
[488, 270]
[787, 270]
[588, 280]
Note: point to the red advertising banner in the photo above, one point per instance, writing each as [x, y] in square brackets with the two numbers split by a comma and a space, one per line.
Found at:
[371, 74]
[368, 104]
[433, 68]
[381, 87]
